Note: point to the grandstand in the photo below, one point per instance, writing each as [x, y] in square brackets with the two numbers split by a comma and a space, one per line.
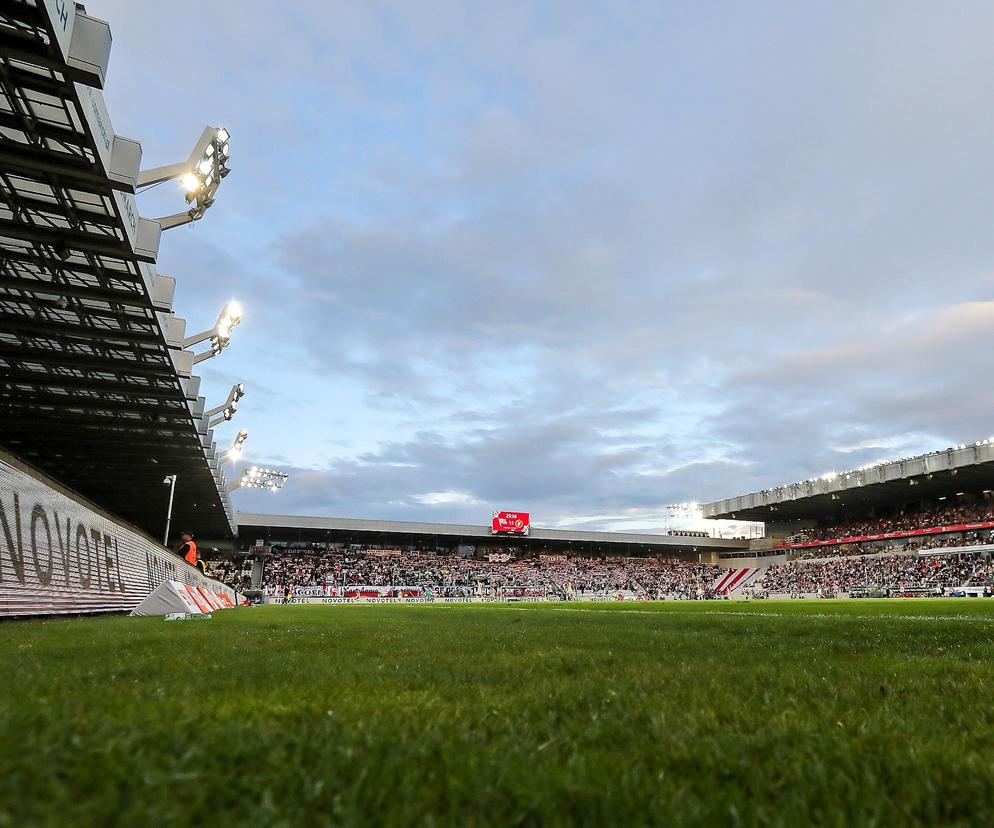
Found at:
[920, 525]
[98, 399]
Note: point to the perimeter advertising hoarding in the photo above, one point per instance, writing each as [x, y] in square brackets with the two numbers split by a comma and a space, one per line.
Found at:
[59, 555]
[510, 523]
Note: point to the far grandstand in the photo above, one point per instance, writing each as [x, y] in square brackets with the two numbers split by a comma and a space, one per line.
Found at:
[922, 526]
[313, 558]
[916, 526]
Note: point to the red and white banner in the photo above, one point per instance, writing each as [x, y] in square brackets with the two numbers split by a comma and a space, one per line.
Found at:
[510, 523]
[906, 533]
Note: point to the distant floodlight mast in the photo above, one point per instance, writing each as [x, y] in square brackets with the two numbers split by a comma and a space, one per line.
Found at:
[233, 454]
[199, 176]
[260, 478]
[219, 335]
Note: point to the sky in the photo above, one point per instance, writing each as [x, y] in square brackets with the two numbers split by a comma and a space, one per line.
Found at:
[579, 259]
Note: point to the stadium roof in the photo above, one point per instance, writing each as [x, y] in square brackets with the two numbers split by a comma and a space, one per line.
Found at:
[964, 468]
[95, 389]
[249, 523]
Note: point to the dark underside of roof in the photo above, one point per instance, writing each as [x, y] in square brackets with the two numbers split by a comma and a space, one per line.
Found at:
[88, 391]
[861, 501]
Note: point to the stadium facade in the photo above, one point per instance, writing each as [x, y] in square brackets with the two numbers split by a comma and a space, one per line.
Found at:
[98, 399]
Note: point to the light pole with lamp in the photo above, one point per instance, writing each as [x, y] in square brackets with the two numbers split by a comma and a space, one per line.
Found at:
[169, 480]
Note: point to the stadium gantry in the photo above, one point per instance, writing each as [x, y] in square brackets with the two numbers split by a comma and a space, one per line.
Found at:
[96, 377]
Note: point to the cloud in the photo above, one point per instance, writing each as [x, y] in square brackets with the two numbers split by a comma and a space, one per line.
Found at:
[585, 261]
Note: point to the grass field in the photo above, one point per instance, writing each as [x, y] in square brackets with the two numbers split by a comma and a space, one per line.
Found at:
[828, 713]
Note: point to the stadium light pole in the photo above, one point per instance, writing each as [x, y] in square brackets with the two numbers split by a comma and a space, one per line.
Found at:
[170, 480]
[200, 175]
[219, 335]
[260, 478]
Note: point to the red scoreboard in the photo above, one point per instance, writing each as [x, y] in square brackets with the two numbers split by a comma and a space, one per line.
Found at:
[509, 523]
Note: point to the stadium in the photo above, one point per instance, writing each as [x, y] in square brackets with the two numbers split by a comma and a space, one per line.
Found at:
[817, 652]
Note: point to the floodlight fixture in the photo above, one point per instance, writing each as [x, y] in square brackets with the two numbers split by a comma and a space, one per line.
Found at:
[219, 336]
[233, 454]
[257, 477]
[234, 395]
[227, 412]
[199, 175]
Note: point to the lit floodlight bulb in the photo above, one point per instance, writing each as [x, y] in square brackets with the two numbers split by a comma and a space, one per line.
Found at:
[222, 135]
[189, 182]
[209, 151]
[226, 150]
[206, 166]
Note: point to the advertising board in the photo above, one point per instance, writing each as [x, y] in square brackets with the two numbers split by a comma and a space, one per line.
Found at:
[60, 555]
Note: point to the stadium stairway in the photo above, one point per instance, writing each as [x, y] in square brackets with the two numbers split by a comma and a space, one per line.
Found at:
[732, 581]
[258, 567]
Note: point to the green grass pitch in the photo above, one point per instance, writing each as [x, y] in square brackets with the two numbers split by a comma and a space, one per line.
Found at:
[805, 713]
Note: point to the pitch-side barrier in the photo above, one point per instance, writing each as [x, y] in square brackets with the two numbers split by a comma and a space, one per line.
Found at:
[476, 599]
[60, 554]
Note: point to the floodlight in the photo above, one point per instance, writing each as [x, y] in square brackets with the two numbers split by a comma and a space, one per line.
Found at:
[257, 477]
[234, 453]
[200, 176]
[219, 335]
[227, 412]
[234, 395]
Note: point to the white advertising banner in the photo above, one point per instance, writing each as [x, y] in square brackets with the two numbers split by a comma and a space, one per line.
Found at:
[58, 555]
[62, 14]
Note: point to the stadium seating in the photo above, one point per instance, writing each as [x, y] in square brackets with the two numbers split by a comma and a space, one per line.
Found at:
[929, 518]
[890, 574]
[363, 572]
[347, 569]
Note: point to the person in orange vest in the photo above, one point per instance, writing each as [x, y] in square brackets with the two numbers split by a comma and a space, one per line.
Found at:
[188, 551]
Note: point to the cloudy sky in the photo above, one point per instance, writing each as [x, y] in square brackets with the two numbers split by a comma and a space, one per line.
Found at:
[583, 259]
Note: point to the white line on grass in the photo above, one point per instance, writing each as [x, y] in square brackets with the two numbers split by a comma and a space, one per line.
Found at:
[737, 614]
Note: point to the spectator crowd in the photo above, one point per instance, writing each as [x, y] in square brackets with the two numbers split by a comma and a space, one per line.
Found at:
[907, 521]
[464, 576]
[979, 537]
[890, 573]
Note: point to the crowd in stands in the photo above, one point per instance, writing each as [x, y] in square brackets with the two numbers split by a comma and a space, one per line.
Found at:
[346, 571]
[894, 573]
[907, 521]
[235, 573]
[463, 576]
[977, 537]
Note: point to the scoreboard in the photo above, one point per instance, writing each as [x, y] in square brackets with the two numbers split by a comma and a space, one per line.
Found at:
[509, 523]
